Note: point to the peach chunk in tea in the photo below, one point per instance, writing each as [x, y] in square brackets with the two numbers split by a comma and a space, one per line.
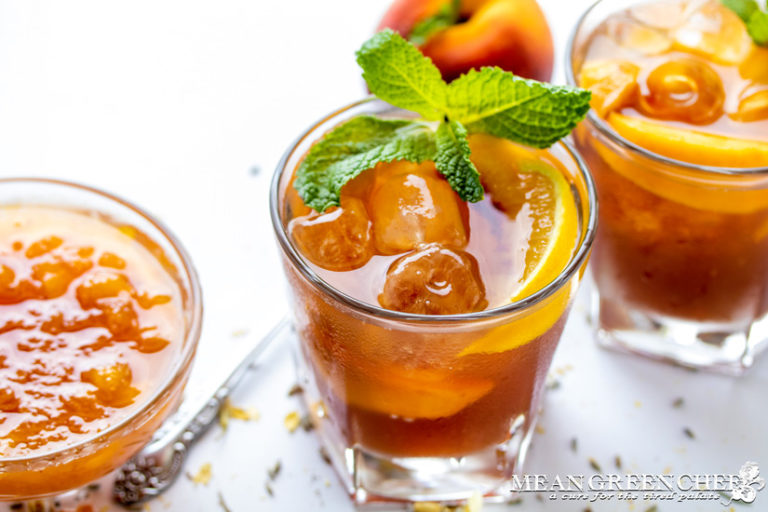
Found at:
[90, 321]
[682, 79]
[402, 239]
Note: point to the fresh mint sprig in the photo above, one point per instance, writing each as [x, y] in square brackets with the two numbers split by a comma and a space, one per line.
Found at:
[487, 101]
[398, 73]
[452, 160]
[447, 16]
[753, 17]
[498, 103]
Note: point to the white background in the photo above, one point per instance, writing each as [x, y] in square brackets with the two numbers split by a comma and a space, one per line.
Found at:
[175, 104]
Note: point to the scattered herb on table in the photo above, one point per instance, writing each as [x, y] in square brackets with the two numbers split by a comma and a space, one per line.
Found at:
[203, 475]
[274, 471]
[325, 455]
[222, 503]
[292, 421]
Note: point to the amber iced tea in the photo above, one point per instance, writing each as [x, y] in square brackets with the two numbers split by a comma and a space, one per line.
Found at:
[402, 302]
[678, 144]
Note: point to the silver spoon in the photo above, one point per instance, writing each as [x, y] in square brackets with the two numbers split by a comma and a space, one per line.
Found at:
[156, 467]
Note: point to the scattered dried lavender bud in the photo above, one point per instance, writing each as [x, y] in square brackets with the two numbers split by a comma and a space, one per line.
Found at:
[222, 503]
[325, 455]
[274, 471]
[307, 423]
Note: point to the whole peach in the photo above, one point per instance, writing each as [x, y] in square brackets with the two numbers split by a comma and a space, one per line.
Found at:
[511, 34]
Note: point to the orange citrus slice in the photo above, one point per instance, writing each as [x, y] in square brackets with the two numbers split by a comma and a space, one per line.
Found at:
[526, 327]
[690, 145]
[695, 189]
[515, 176]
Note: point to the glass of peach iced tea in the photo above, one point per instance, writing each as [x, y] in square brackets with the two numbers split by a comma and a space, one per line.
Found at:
[429, 299]
[678, 142]
[100, 314]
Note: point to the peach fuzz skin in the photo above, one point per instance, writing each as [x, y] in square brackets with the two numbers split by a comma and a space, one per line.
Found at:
[511, 34]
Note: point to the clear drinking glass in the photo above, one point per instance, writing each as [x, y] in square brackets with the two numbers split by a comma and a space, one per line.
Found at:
[49, 473]
[406, 406]
[681, 255]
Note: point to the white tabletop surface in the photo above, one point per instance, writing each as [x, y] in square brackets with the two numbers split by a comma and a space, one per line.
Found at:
[185, 107]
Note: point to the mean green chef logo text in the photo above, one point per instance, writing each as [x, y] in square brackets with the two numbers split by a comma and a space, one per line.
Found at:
[726, 488]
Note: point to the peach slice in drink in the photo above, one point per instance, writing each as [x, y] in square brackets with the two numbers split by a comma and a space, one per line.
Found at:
[613, 84]
[752, 107]
[755, 66]
[412, 393]
[683, 89]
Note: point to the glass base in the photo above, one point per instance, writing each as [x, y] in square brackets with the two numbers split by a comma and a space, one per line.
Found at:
[724, 348]
[376, 478]
[373, 479]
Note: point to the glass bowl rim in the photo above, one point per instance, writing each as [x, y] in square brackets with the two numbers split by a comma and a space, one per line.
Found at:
[191, 336]
[614, 136]
[577, 258]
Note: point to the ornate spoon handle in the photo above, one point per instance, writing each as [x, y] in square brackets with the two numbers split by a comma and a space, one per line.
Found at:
[155, 467]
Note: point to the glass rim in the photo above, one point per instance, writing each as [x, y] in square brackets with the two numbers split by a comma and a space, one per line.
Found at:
[191, 335]
[577, 258]
[616, 138]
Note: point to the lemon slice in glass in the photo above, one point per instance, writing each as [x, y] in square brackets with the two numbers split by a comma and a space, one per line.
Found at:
[515, 176]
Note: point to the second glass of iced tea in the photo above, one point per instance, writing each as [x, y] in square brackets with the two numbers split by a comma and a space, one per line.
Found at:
[678, 143]
[427, 325]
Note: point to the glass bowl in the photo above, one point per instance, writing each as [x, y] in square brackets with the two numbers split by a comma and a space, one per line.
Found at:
[55, 471]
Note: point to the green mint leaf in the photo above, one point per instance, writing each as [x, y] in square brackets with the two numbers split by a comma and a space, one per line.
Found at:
[398, 73]
[498, 103]
[742, 8]
[758, 27]
[453, 161]
[447, 16]
[355, 146]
